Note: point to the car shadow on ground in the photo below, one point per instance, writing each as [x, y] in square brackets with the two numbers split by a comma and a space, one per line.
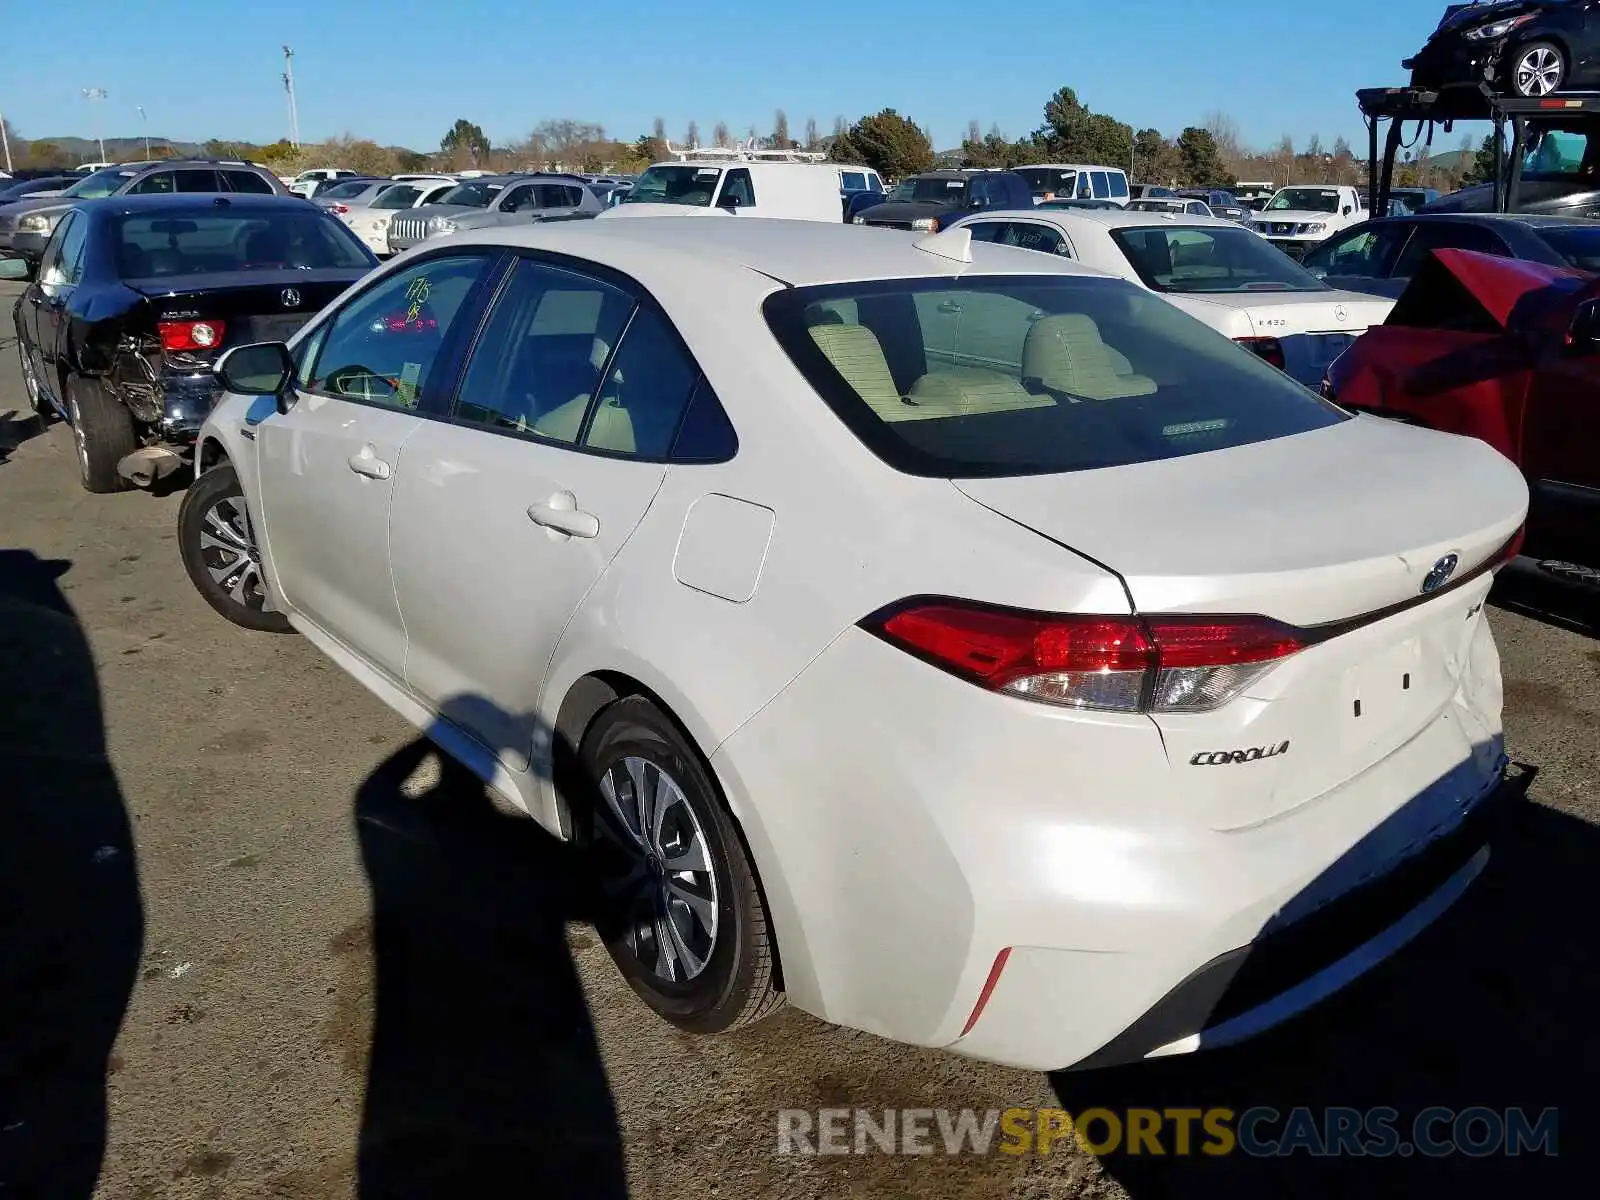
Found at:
[1492, 1007]
[15, 429]
[485, 1076]
[71, 921]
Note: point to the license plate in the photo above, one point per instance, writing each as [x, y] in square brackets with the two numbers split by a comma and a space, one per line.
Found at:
[276, 329]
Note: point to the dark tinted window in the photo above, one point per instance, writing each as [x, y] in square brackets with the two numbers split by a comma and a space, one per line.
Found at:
[1119, 184]
[402, 195]
[987, 231]
[1102, 186]
[705, 434]
[247, 181]
[557, 195]
[380, 348]
[1444, 235]
[852, 181]
[157, 183]
[538, 360]
[153, 244]
[1579, 246]
[517, 199]
[737, 189]
[1031, 374]
[644, 392]
[199, 181]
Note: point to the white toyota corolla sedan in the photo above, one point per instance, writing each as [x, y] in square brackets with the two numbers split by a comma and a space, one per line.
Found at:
[1217, 271]
[964, 645]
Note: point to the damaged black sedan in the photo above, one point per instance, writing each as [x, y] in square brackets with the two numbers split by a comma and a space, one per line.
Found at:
[1526, 48]
[135, 298]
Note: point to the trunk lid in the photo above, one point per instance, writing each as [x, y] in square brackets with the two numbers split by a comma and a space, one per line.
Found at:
[1338, 528]
[254, 306]
[1313, 327]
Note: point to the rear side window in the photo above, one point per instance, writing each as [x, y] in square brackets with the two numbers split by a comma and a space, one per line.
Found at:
[248, 181]
[1030, 375]
[199, 181]
[1102, 185]
[1428, 236]
[1119, 185]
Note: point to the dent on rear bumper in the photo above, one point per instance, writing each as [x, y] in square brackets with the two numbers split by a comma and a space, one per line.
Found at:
[908, 827]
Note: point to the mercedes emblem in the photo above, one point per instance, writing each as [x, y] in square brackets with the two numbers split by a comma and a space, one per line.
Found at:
[1340, 313]
[291, 298]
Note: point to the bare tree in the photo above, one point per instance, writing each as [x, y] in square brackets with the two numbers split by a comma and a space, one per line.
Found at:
[780, 130]
[839, 126]
[811, 133]
[974, 131]
[658, 131]
[1224, 130]
[720, 135]
[691, 136]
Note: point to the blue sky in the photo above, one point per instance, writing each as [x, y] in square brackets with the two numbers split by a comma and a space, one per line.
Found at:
[402, 72]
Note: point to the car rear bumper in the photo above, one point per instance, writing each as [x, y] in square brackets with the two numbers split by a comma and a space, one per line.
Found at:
[1023, 884]
[187, 401]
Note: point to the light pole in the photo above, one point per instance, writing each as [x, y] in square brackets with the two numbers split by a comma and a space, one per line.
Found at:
[144, 124]
[94, 95]
[5, 140]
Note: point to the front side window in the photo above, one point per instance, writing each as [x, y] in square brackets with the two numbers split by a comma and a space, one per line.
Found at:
[1119, 185]
[157, 183]
[1364, 253]
[1102, 185]
[1211, 260]
[539, 358]
[676, 183]
[62, 263]
[381, 347]
[853, 181]
[1022, 375]
[737, 189]
[518, 198]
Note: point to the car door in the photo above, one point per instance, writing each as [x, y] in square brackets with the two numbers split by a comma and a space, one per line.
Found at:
[326, 466]
[516, 204]
[506, 516]
[49, 300]
[1561, 454]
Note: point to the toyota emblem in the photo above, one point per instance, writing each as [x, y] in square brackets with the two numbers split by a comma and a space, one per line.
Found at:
[291, 299]
[1440, 574]
[1340, 312]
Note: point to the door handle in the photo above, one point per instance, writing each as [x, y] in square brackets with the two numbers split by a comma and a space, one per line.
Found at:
[949, 306]
[367, 464]
[561, 515]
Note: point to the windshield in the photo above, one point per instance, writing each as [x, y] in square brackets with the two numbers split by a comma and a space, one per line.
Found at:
[1197, 261]
[476, 194]
[942, 191]
[202, 242]
[1578, 245]
[1305, 199]
[99, 185]
[1042, 180]
[676, 183]
[1076, 373]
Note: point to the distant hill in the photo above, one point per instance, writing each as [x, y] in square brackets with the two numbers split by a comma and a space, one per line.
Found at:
[1453, 160]
[118, 149]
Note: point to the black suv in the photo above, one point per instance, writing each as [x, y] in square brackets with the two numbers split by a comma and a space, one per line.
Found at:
[26, 225]
[933, 200]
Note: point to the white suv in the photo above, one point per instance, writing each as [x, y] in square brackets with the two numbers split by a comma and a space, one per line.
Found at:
[968, 646]
[1301, 215]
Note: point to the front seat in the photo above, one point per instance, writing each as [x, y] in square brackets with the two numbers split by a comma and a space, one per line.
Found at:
[1064, 353]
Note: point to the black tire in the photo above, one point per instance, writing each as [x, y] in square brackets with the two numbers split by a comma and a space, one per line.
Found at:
[738, 982]
[102, 431]
[1522, 86]
[217, 495]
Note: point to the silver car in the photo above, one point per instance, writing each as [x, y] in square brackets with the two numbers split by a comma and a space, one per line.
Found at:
[494, 200]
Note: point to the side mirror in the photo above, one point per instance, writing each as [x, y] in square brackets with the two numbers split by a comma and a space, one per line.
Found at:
[729, 202]
[1346, 210]
[13, 268]
[1583, 335]
[261, 369]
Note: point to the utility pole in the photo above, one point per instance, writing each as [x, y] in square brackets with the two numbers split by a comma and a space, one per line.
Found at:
[94, 96]
[288, 86]
[5, 140]
[144, 122]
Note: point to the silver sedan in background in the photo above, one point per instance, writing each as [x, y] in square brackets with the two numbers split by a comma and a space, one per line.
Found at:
[492, 200]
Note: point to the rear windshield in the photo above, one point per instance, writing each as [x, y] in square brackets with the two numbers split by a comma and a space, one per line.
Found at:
[1175, 258]
[676, 183]
[1578, 245]
[476, 194]
[1029, 375]
[151, 246]
[345, 191]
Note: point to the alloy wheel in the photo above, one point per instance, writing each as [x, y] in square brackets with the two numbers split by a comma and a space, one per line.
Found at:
[661, 876]
[30, 381]
[1538, 72]
[229, 552]
[78, 440]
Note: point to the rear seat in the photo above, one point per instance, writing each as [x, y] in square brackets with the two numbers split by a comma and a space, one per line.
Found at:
[1064, 353]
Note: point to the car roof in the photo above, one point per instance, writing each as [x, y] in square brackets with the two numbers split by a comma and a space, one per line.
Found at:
[799, 253]
[198, 201]
[1110, 218]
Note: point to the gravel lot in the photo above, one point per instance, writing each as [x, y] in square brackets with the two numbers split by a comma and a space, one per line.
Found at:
[494, 1050]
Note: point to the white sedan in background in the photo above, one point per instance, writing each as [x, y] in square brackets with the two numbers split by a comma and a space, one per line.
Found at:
[968, 646]
[1216, 270]
[368, 216]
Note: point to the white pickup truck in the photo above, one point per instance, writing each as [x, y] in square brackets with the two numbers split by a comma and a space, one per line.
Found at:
[1303, 214]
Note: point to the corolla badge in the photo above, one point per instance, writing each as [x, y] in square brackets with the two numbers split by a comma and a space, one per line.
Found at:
[290, 297]
[1440, 574]
[1340, 312]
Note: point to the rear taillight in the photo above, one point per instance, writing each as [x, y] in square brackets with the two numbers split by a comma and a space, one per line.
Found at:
[338, 209]
[191, 335]
[1269, 349]
[1114, 663]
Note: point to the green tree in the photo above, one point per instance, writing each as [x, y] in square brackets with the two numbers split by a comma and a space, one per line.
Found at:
[1075, 134]
[45, 154]
[1482, 169]
[465, 138]
[409, 161]
[1201, 164]
[887, 142]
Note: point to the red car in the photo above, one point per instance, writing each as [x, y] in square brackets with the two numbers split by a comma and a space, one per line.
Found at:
[1507, 351]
